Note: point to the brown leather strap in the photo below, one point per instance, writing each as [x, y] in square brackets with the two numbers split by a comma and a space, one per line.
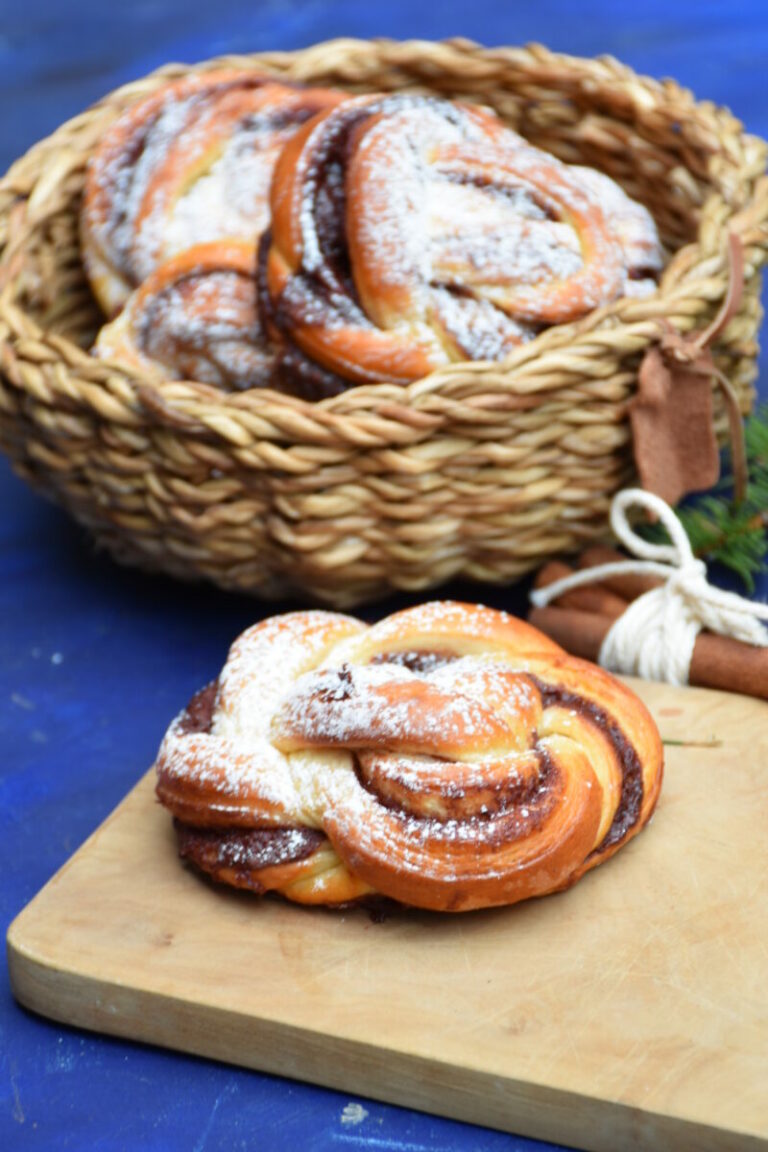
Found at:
[733, 295]
[686, 356]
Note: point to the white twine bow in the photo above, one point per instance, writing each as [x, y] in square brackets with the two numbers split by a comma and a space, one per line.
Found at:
[654, 637]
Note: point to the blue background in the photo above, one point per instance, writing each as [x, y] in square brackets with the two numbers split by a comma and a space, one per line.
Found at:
[94, 659]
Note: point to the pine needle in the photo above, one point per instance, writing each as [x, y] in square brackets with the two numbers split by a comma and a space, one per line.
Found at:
[713, 743]
[721, 530]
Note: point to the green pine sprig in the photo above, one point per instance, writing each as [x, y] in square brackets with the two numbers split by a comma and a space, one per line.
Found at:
[720, 529]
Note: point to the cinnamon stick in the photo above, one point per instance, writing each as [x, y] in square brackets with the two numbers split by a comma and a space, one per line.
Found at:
[717, 662]
[592, 598]
[580, 633]
[628, 587]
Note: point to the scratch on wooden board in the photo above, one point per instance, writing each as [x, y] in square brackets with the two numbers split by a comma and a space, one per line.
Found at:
[676, 1072]
[625, 1066]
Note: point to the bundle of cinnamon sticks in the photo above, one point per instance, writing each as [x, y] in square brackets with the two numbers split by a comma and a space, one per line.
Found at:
[579, 620]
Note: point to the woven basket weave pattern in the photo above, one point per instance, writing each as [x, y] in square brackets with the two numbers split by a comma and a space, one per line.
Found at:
[482, 470]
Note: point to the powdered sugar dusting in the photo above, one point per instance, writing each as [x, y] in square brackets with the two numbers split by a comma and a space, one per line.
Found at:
[386, 706]
[434, 618]
[431, 850]
[473, 327]
[264, 664]
[206, 327]
[485, 235]
[231, 199]
[236, 759]
[133, 182]
[195, 318]
[192, 165]
[631, 223]
[233, 776]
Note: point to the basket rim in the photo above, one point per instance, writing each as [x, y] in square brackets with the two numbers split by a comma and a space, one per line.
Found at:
[692, 286]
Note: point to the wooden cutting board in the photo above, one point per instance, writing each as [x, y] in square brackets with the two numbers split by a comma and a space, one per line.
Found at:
[628, 1013]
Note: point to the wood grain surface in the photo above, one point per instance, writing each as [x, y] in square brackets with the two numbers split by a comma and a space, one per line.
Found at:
[630, 1012]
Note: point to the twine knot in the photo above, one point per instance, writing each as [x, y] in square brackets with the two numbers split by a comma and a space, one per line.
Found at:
[655, 636]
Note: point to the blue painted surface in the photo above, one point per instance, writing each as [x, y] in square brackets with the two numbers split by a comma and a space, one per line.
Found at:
[94, 659]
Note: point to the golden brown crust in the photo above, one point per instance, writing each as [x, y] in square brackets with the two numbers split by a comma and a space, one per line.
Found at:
[297, 862]
[449, 757]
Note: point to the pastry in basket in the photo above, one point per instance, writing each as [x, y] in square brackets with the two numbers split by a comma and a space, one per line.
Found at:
[634, 229]
[409, 232]
[195, 317]
[189, 164]
[449, 757]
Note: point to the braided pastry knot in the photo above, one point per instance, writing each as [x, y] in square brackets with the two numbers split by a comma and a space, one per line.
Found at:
[449, 757]
[409, 232]
[190, 164]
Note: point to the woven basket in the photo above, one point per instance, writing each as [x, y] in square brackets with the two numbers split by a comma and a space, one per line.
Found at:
[482, 470]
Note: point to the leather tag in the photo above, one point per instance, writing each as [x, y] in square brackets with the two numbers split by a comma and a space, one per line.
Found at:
[672, 427]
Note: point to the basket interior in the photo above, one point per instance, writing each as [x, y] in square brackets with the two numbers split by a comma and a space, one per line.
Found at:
[655, 155]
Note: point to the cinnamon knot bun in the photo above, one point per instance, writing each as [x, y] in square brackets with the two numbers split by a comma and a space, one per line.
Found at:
[449, 757]
[188, 165]
[409, 232]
